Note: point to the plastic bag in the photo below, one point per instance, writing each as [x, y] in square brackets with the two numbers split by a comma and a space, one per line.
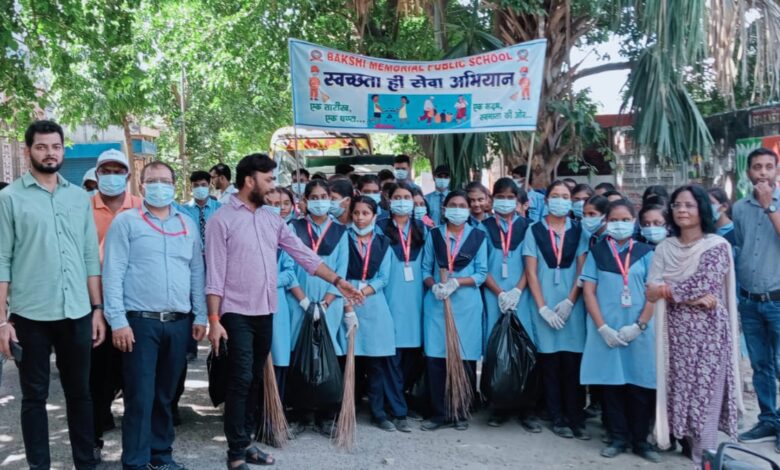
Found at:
[315, 378]
[510, 357]
[217, 367]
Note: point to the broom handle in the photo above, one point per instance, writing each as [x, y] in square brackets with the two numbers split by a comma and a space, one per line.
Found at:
[443, 274]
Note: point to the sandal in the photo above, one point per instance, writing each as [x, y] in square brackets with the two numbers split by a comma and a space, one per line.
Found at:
[255, 456]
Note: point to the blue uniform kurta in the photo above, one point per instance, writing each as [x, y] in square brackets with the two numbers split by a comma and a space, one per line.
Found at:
[281, 345]
[572, 336]
[316, 289]
[633, 364]
[466, 301]
[372, 338]
[405, 298]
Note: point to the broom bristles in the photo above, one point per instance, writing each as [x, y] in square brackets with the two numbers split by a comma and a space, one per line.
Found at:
[275, 430]
[344, 436]
[458, 393]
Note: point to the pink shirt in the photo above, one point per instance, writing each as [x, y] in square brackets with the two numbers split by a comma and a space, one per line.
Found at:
[241, 257]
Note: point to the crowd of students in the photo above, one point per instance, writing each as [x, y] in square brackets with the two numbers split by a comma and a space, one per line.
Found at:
[606, 293]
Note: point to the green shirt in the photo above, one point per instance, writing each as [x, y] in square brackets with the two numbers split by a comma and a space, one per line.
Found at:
[48, 248]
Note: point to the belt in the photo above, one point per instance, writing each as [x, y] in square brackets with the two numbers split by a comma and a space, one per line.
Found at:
[773, 296]
[159, 316]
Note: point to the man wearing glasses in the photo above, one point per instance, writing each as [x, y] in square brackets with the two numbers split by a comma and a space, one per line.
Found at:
[153, 281]
[112, 173]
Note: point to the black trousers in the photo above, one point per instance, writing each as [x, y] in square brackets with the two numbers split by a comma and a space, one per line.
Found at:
[564, 394]
[105, 380]
[71, 341]
[629, 410]
[249, 342]
[437, 381]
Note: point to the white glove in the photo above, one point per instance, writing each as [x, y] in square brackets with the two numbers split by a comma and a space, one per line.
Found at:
[611, 336]
[551, 318]
[319, 310]
[451, 286]
[563, 309]
[304, 303]
[508, 300]
[438, 291]
[629, 332]
[350, 320]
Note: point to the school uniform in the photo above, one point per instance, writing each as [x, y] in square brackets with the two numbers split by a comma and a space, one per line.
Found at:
[470, 260]
[281, 344]
[727, 232]
[560, 351]
[369, 265]
[626, 373]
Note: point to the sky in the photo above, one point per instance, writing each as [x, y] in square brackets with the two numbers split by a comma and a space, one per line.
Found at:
[605, 87]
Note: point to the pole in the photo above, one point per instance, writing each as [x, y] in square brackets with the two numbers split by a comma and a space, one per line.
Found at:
[530, 162]
[183, 132]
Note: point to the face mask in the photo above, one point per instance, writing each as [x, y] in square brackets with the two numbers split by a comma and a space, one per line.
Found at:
[318, 207]
[715, 212]
[362, 232]
[456, 215]
[200, 193]
[158, 194]
[376, 197]
[298, 188]
[420, 212]
[654, 234]
[577, 209]
[442, 183]
[275, 210]
[336, 210]
[112, 185]
[401, 174]
[558, 206]
[620, 230]
[520, 183]
[592, 224]
[504, 206]
[402, 206]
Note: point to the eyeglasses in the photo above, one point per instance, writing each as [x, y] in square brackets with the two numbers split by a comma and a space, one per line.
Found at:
[689, 206]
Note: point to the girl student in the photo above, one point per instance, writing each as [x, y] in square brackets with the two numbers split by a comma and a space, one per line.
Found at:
[592, 221]
[329, 240]
[654, 224]
[404, 290]
[280, 201]
[554, 252]
[579, 196]
[619, 353]
[341, 192]
[369, 270]
[479, 203]
[421, 210]
[721, 209]
[461, 250]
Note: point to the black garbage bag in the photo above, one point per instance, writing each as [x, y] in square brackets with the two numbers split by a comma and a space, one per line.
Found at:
[217, 367]
[510, 357]
[315, 378]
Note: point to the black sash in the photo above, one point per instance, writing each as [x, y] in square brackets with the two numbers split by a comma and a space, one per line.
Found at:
[570, 243]
[332, 238]
[519, 228]
[467, 252]
[398, 249]
[605, 261]
[378, 249]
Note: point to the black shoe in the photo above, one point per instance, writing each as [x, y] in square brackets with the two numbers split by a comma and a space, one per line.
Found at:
[761, 432]
[496, 420]
[531, 424]
[461, 425]
[402, 425]
[648, 453]
[580, 433]
[385, 425]
[167, 466]
[563, 431]
[430, 425]
[612, 451]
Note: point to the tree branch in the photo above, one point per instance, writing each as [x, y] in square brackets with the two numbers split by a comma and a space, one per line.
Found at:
[603, 68]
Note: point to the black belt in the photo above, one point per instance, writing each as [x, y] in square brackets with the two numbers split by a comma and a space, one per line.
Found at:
[773, 296]
[159, 316]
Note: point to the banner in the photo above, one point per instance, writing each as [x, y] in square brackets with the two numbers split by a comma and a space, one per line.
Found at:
[341, 91]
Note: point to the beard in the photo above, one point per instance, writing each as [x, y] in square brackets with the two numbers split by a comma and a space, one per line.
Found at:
[45, 167]
[256, 197]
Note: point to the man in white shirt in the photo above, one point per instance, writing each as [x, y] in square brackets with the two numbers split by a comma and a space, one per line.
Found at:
[220, 178]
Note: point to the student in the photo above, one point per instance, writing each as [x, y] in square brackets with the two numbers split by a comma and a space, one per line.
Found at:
[328, 239]
[655, 191]
[604, 187]
[619, 353]
[570, 183]
[368, 185]
[441, 178]
[421, 209]
[461, 250]
[300, 178]
[721, 209]
[402, 170]
[341, 192]
[554, 254]
[280, 202]
[579, 196]
[612, 196]
[654, 224]
[537, 208]
[369, 271]
[593, 220]
[479, 203]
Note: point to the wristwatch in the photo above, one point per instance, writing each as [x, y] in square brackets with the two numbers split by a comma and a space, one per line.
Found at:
[642, 325]
[97, 307]
[771, 209]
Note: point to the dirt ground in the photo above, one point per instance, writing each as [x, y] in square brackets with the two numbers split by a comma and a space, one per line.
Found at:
[200, 443]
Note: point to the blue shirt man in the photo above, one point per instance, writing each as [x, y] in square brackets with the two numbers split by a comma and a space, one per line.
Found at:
[435, 200]
[201, 207]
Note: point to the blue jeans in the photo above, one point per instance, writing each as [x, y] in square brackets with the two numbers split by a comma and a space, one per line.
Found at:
[151, 374]
[761, 325]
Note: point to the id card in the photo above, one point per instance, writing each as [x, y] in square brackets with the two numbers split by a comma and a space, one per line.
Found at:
[504, 270]
[408, 274]
[557, 275]
[625, 298]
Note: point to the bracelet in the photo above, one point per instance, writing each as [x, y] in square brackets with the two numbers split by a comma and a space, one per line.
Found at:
[336, 281]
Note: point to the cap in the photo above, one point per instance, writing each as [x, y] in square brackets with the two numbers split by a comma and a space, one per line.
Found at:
[89, 176]
[113, 155]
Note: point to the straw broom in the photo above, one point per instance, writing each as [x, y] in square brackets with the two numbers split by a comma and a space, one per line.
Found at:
[274, 430]
[344, 434]
[458, 393]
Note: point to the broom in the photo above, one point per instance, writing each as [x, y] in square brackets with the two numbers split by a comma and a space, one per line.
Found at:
[344, 435]
[275, 430]
[458, 393]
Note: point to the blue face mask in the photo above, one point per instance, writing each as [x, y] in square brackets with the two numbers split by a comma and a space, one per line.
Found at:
[401, 206]
[592, 224]
[362, 232]
[112, 185]
[420, 212]
[504, 206]
[200, 193]
[336, 209]
[715, 212]
[275, 210]
[558, 206]
[158, 194]
[298, 188]
[401, 174]
[577, 209]
[318, 207]
[456, 215]
[442, 183]
[654, 234]
[376, 197]
[620, 230]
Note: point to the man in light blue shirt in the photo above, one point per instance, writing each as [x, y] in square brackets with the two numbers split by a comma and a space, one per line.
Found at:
[201, 207]
[153, 282]
[435, 200]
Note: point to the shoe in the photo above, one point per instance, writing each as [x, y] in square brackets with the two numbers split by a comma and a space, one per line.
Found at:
[384, 425]
[167, 466]
[429, 425]
[580, 433]
[563, 431]
[461, 425]
[402, 425]
[326, 428]
[612, 451]
[530, 424]
[648, 454]
[413, 415]
[761, 432]
[496, 421]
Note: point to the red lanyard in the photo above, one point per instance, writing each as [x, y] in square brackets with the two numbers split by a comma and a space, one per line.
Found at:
[557, 251]
[365, 257]
[623, 267]
[406, 246]
[315, 245]
[506, 239]
[451, 255]
[151, 224]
